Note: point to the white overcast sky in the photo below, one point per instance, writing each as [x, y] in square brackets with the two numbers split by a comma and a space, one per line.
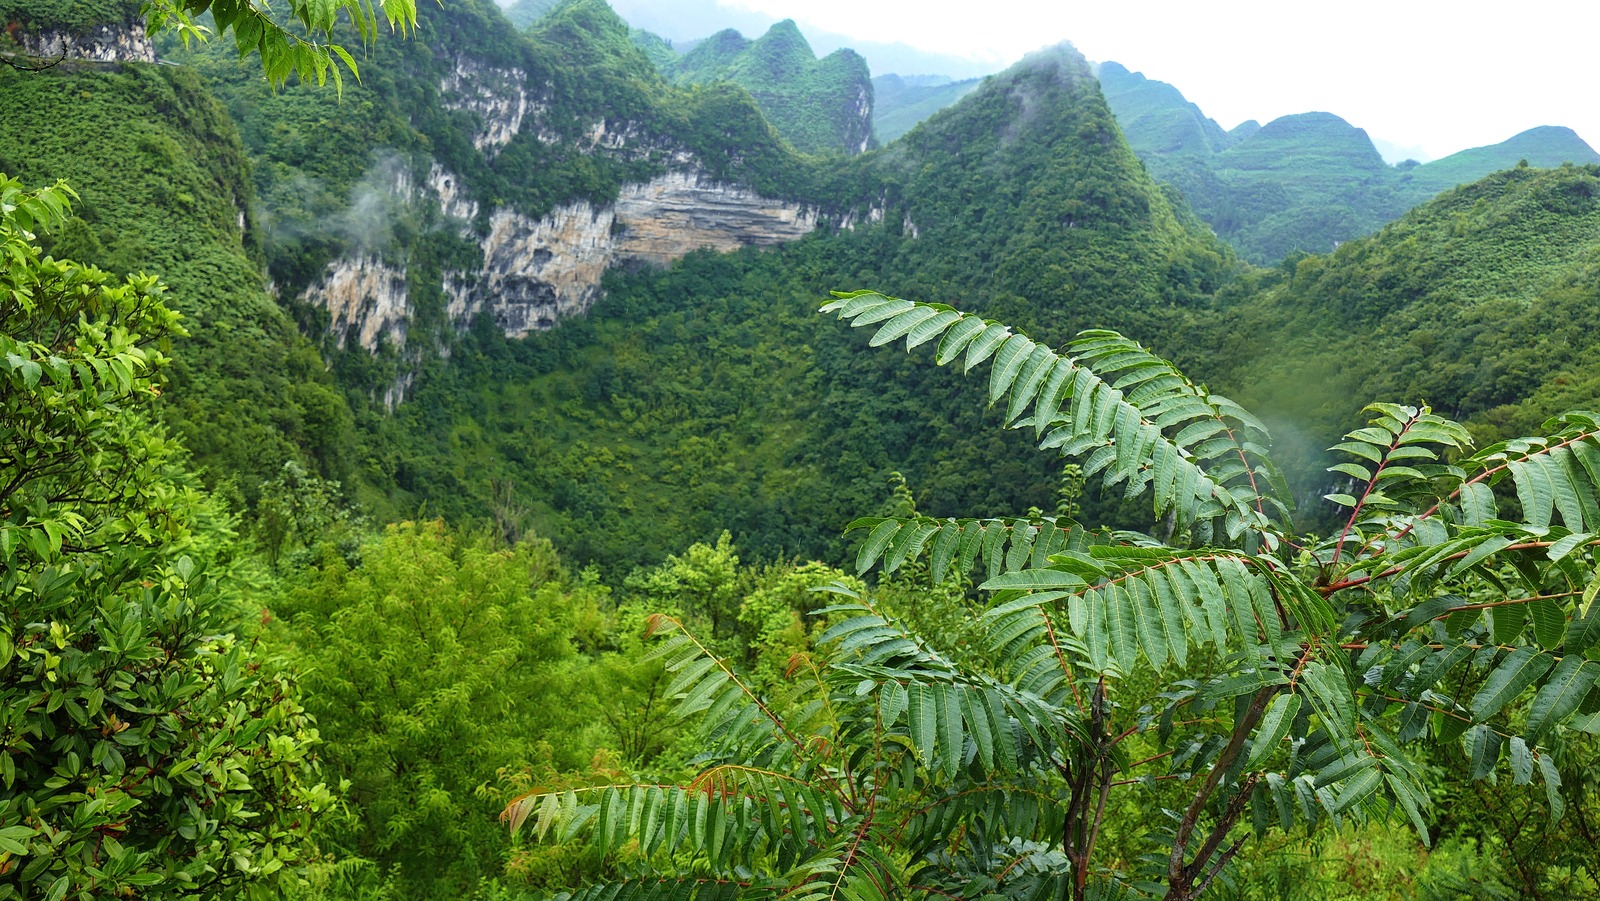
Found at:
[1432, 77]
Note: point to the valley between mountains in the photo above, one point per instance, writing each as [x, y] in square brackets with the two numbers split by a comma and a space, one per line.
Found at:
[500, 366]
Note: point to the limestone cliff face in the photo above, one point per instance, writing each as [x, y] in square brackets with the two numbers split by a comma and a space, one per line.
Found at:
[124, 42]
[533, 272]
[498, 95]
[537, 271]
[366, 299]
[860, 133]
[664, 219]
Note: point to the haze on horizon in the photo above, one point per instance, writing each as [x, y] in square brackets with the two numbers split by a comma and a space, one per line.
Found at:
[1425, 79]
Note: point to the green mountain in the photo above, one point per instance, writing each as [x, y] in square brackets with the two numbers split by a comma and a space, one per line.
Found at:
[1305, 182]
[1156, 118]
[165, 188]
[819, 105]
[1482, 302]
[492, 241]
[902, 101]
[1545, 146]
[713, 396]
[525, 13]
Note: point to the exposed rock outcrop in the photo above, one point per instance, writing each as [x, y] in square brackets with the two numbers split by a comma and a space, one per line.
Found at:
[668, 217]
[453, 200]
[860, 131]
[537, 271]
[498, 96]
[119, 43]
[366, 299]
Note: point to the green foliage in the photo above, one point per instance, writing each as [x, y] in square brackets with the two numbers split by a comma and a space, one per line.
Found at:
[75, 16]
[427, 664]
[1481, 301]
[285, 51]
[709, 395]
[143, 751]
[1258, 671]
[168, 196]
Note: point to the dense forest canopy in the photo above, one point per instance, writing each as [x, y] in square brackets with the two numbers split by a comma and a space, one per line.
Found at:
[315, 559]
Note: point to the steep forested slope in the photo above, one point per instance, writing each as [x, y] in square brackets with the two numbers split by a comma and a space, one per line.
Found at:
[1158, 119]
[819, 105]
[1482, 302]
[165, 189]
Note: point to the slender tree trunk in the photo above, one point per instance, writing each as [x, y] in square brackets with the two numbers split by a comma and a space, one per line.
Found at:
[1186, 881]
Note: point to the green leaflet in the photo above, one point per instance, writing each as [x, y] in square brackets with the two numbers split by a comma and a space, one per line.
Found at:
[927, 329]
[1358, 788]
[1007, 363]
[1549, 622]
[1033, 580]
[902, 324]
[1552, 785]
[984, 345]
[1330, 695]
[1411, 801]
[1521, 757]
[892, 702]
[1517, 671]
[875, 543]
[1040, 363]
[944, 550]
[1120, 622]
[950, 731]
[958, 337]
[978, 726]
[924, 722]
[1477, 504]
[1561, 694]
[1507, 621]
[1274, 728]
[1482, 745]
[1534, 490]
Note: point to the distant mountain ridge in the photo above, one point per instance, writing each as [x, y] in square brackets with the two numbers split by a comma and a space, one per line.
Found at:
[902, 101]
[820, 105]
[524, 13]
[1302, 182]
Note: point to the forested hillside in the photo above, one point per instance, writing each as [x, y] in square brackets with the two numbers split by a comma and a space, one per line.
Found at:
[625, 409]
[1479, 302]
[504, 464]
[167, 189]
